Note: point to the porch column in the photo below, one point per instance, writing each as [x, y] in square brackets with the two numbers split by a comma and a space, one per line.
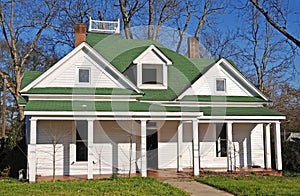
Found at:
[267, 147]
[143, 149]
[195, 148]
[277, 141]
[229, 147]
[90, 148]
[179, 146]
[32, 151]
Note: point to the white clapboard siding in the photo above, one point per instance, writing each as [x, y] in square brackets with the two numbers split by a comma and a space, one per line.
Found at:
[151, 57]
[67, 75]
[206, 85]
[112, 144]
[51, 132]
[44, 159]
[167, 155]
[257, 146]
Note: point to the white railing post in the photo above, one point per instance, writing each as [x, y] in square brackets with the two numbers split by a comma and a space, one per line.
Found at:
[90, 25]
[118, 27]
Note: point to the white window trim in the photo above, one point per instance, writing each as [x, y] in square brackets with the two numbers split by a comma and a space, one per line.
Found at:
[140, 84]
[225, 86]
[77, 75]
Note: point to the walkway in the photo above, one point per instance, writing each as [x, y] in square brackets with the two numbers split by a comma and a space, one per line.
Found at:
[185, 182]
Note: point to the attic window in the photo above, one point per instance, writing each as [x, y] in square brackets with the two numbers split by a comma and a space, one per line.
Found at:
[84, 75]
[220, 85]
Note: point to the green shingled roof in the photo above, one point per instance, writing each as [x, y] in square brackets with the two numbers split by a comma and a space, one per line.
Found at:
[239, 111]
[121, 53]
[123, 106]
[29, 76]
[83, 91]
[101, 106]
[207, 98]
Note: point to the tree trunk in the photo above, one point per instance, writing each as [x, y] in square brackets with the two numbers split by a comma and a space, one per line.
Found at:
[187, 21]
[150, 23]
[3, 115]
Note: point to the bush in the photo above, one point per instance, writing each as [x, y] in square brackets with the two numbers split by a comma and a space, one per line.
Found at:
[291, 156]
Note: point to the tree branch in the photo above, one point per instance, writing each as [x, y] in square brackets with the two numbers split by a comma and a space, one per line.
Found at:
[274, 24]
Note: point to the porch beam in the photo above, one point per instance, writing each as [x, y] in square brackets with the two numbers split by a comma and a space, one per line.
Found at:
[179, 146]
[267, 147]
[143, 149]
[277, 141]
[195, 148]
[230, 153]
[32, 151]
[90, 148]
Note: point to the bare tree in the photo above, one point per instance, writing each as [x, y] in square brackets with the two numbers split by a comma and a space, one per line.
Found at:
[17, 19]
[128, 9]
[159, 13]
[277, 6]
[58, 135]
[270, 57]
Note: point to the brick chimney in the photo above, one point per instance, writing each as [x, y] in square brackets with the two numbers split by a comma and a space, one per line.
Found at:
[193, 47]
[80, 33]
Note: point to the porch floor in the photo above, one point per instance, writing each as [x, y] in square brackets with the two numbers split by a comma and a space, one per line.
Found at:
[164, 174]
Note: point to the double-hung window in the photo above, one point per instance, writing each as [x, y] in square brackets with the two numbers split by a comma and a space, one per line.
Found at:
[81, 140]
[221, 141]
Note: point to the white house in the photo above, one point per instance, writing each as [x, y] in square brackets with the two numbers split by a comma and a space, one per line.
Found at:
[114, 105]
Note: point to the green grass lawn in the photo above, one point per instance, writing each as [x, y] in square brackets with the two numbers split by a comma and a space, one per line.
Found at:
[255, 185]
[119, 186]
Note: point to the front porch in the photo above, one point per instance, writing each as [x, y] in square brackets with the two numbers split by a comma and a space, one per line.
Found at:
[187, 146]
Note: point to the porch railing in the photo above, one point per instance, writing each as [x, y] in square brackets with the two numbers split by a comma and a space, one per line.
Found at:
[98, 26]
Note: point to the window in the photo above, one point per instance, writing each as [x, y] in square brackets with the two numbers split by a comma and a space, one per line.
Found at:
[152, 74]
[81, 140]
[84, 75]
[220, 85]
[221, 142]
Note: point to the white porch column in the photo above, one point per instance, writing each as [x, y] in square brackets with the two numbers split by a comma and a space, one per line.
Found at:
[230, 153]
[195, 148]
[267, 147]
[90, 148]
[245, 152]
[179, 146]
[277, 141]
[143, 149]
[32, 151]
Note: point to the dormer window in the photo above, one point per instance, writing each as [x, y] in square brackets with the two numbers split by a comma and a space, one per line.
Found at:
[84, 75]
[152, 69]
[220, 85]
[152, 74]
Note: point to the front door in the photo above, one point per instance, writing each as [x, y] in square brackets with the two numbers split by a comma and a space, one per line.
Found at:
[152, 145]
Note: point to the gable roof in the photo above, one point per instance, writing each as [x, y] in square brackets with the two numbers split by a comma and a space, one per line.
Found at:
[34, 79]
[122, 52]
[156, 51]
[229, 68]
